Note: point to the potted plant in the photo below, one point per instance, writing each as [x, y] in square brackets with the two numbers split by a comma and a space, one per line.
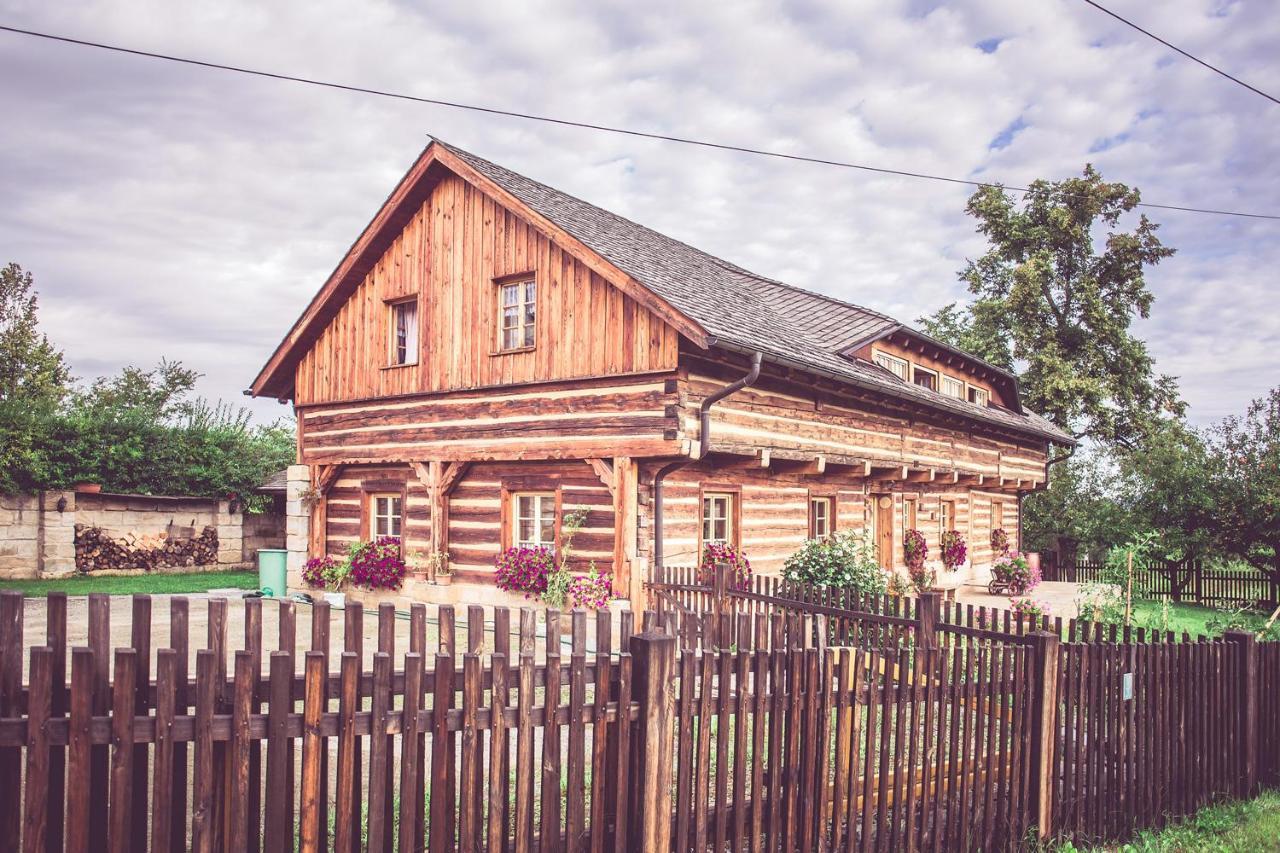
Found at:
[953, 550]
[327, 574]
[914, 552]
[442, 570]
[1029, 610]
[999, 541]
[1013, 574]
[377, 565]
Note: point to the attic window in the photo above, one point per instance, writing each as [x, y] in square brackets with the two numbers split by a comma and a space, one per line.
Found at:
[978, 396]
[924, 378]
[897, 366]
[404, 332]
[952, 387]
[517, 314]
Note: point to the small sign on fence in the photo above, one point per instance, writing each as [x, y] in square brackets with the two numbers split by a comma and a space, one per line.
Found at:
[1126, 687]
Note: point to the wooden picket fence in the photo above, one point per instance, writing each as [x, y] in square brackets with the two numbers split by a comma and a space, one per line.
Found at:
[780, 725]
[1187, 581]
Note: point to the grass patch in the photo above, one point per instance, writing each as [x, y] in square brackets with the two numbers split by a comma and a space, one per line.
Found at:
[152, 584]
[1234, 827]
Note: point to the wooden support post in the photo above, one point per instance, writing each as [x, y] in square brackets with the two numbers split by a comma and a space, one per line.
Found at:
[928, 608]
[1245, 644]
[626, 580]
[653, 670]
[1044, 705]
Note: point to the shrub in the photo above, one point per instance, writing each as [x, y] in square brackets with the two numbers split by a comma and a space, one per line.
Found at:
[592, 590]
[999, 541]
[847, 559]
[953, 550]
[526, 569]
[378, 564]
[1014, 570]
[739, 565]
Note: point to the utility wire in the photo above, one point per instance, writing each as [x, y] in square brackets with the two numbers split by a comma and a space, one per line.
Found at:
[581, 124]
[1174, 47]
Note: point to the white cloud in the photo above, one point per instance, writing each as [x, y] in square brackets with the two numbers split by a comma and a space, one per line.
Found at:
[180, 212]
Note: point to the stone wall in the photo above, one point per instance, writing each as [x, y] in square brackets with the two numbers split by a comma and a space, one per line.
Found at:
[262, 530]
[37, 536]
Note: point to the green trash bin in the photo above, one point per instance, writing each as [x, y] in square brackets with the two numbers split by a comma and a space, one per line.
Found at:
[272, 572]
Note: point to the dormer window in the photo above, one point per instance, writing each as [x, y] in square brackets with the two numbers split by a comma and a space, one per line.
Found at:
[978, 396]
[404, 332]
[897, 366]
[924, 378]
[952, 387]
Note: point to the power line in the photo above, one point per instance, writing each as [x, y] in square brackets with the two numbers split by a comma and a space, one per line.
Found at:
[702, 143]
[1192, 57]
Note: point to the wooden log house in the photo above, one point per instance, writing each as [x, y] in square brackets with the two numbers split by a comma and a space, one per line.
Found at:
[492, 353]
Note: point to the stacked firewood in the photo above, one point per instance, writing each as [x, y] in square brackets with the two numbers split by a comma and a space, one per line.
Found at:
[96, 549]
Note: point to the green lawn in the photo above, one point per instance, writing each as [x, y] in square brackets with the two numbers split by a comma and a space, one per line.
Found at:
[1241, 827]
[157, 584]
[1190, 618]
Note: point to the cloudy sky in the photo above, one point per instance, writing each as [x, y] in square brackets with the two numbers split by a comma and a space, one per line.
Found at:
[172, 211]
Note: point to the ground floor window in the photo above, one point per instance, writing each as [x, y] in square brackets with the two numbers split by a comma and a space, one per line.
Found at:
[820, 522]
[386, 514]
[717, 518]
[947, 516]
[535, 519]
[997, 515]
[910, 514]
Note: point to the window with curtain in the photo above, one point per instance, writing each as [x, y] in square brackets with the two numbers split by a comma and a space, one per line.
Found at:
[535, 519]
[717, 519]
[385, 515]
[517, 314]
[404, 332]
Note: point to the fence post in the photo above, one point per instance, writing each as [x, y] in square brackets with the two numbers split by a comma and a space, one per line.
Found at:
[928, 608]
[653, 658]
[1044, 706]
[1199, 587]
[1246, 644]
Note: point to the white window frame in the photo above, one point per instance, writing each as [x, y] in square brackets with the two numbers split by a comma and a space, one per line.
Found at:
[984, 396]
[409, 308]
[956, 386]
[518, 318]
[899, 367]
[821, 531]
[710, 502]
[541, 504]
[388, 521]
[915, 368]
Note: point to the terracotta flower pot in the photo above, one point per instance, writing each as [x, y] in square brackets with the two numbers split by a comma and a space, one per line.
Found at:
[87, 488]
[444, 580]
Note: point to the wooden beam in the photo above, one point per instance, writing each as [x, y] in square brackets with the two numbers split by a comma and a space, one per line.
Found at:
[922, 475]
[626, 581]
[606, 472]
[889, 472]
[450, 474]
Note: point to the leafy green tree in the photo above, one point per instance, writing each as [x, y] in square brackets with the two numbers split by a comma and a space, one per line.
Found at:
[34, 378]
[32, 370]
[1244, 466]
[1048, 301]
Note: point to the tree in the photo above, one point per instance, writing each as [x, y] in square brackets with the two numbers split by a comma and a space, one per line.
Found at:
[34, 379]
[1048, 302]
[1078, 513]
[32, 370]
[1244, 457]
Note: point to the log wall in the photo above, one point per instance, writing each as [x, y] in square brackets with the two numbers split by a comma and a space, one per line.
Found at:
[633, 415]
[449, 255]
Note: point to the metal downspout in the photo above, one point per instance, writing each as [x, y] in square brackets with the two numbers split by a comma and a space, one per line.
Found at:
[704, 447]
